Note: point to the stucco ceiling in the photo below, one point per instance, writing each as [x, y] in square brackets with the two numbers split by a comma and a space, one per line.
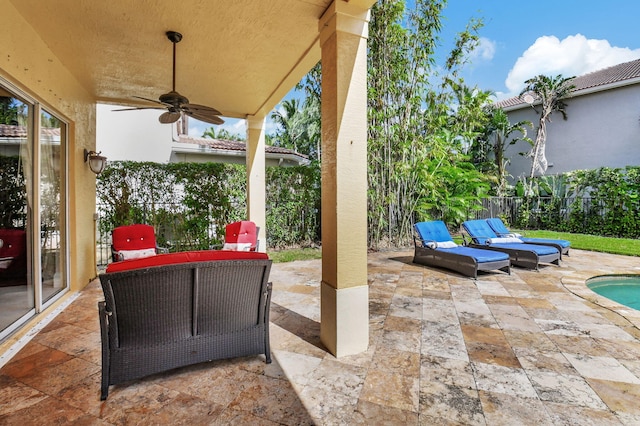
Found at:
[239, 56]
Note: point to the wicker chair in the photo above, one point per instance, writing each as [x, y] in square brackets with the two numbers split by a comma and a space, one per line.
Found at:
[158, 318]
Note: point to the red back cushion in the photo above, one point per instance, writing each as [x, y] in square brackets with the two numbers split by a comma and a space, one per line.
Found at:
[184, 257]
[14, 242]
[133, 237]
[243, 231]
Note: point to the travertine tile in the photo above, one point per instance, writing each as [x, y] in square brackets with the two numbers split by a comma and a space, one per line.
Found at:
[619, 397]
[442, 403]
[272, 399]
[564, 389]
[443, 349]
[393, 390]
[444, 340]
[600, 367]
[16, 396]
[499, 379]
[565, 414]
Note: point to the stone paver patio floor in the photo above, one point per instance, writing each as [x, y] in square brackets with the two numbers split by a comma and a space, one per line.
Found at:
[533, 347]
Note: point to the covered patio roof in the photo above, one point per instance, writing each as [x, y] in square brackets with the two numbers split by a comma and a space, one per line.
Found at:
[239, 57]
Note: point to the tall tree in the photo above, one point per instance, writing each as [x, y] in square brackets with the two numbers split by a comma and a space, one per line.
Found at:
[551, 92]
[416, 142]
[499, 133]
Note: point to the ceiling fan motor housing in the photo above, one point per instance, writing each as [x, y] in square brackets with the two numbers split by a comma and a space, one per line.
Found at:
[174, 98]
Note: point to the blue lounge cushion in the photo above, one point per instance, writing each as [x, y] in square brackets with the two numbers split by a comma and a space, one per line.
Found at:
[563, 243]
[499, 227]
[481, 256]
[479, 230]
[539, 250]
[434, 230]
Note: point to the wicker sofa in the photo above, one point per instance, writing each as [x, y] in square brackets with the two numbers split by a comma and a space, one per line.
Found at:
[178, 309]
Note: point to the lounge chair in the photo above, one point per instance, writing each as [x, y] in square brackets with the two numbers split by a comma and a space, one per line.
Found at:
[435, 247]
[481, 236]
[501, 230]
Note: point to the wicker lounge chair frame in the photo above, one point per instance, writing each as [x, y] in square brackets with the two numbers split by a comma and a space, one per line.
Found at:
[164, 317]
[521, 254]
[463, 260]
[501, 230]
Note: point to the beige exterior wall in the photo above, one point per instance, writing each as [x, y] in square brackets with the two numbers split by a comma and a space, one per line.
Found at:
[344, 326]
[27, 63]
[256, 171]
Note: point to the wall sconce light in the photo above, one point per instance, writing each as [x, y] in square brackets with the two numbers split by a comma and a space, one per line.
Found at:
[96, 161]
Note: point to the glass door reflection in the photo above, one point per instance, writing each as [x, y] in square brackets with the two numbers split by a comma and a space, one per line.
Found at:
[51, 206]
[16, 287]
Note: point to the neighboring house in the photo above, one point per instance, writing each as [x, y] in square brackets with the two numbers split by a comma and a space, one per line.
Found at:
[127, 135]
[201, 150]
[602, 127]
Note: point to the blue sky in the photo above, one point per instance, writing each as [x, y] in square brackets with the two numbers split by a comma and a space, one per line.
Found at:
[521, 39]
[527, 38]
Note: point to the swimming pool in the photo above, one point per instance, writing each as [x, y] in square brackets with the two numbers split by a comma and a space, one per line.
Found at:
[624, 289]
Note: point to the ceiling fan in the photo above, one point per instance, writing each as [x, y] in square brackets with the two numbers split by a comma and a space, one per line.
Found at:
[177, 104]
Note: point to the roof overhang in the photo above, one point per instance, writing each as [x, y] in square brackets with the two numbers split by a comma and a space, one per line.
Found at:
[241, 57]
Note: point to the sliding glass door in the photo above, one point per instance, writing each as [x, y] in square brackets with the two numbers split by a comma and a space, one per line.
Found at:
[32, 208]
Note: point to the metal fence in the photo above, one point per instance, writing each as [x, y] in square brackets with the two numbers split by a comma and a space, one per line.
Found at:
[534, 212]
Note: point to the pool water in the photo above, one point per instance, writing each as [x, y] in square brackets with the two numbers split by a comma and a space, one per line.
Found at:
[624, 289]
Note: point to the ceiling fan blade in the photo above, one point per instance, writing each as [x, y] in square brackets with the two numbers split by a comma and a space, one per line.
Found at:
[137, 108]
[200, 109]
[155, 101]
[207, 118]
[169, 117]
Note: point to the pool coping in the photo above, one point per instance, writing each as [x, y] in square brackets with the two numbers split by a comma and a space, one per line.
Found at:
[578, 285]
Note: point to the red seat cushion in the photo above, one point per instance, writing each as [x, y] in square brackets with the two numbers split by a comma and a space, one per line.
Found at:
[184, 257]
[133, 237]
[14, 242]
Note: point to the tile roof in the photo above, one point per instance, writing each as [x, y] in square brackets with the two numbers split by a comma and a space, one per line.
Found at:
[14, 131]
[227, 145]
[615, 74]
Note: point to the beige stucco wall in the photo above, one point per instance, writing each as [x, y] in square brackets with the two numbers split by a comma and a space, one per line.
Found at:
[26, 62]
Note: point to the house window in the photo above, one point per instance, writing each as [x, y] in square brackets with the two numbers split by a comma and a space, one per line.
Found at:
[33, 254]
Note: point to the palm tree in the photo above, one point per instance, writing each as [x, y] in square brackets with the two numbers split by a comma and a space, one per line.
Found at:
[499, 130]
[289, 119]
[551, 93]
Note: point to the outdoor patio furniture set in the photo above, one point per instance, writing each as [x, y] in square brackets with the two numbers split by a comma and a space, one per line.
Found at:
[169, 310]
[488, 245]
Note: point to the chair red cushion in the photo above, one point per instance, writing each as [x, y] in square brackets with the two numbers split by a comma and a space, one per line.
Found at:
[133, 237]
[243, 231]
[184, 257]
[14, 242]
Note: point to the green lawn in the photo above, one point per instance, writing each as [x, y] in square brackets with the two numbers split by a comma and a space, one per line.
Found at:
[295, 254]
[627, 246]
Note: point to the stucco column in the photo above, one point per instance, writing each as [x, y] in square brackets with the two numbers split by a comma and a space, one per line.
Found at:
[256, 192]
[344, 327]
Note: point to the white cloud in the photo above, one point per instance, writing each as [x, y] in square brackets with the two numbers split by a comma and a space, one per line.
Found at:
[485, 50]
[575, 55]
